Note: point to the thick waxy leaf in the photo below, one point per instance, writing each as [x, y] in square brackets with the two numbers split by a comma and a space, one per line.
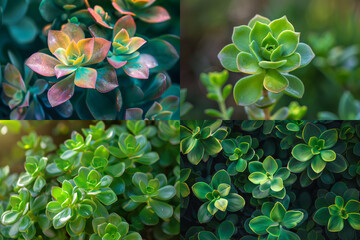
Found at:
[62, 70]
[136, 70]
[270, 165]
[155, 14]
[258, 177]
[101, 49]
[162, 209]
[260, 224]
[306, 53]
[106, 79]
[61, 91]
[228, 57]
[247, 63]
[274, 81]
[317, 164]
[236, 202]
[13, 76]
[354, 220]
[279, 25]
[248, 90]
[321, 216]
[335, 224]
[289, 40]
[272, 65]
[127, 23]
[85, 77]
[278, 212]
[220, 177]
[259, 32]
[200, 189]
[292, 62]
[296, 87]
[204, 215]
[42, 64]
[292, 218]
[330, 136]
[258, 18]
[57, 39]
[302, 152]
[240, 38]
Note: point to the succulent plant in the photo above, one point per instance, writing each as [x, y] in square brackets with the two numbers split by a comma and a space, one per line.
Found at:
[35, 167]
[240, 151]
[73, 52]
[113, 227]
[275, 221]
[199, 139]
[268, 50]
[217, 196]
[268, 177]
[316, 154]
[19, 95]
[224, 232]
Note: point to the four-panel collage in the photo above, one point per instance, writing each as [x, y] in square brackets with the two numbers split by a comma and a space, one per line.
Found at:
[179, 120]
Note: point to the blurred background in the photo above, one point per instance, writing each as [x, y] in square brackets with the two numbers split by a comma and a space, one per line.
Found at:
[330, 27]
[11, 132]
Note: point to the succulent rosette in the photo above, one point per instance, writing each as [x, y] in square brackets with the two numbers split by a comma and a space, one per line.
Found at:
[125, 48]
[142, 9]
[73, 53]
[268, 50]
[20, 96]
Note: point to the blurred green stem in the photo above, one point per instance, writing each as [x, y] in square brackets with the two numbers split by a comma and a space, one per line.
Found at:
[267, 111]
[222, 105]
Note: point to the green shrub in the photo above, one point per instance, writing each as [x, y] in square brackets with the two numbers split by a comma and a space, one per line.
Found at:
[119, 182]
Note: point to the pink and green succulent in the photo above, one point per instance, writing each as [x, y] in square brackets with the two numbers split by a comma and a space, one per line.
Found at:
[73, 54]
[142, 9]
[125, 54]
[101, 16]
[19, 95]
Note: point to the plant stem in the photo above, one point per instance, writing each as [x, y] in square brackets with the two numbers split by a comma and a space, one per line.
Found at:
[266, 110]
[222, 105]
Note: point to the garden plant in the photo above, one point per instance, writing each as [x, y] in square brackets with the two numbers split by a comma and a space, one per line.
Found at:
[110, 181]
[89, 59]
[289, 179]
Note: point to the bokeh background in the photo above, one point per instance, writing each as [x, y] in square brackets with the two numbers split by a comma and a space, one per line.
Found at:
[11, 132]
[330, 27]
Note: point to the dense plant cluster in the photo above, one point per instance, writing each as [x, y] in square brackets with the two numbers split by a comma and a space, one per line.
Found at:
[270, 180]
[92, 60]
[120, 182]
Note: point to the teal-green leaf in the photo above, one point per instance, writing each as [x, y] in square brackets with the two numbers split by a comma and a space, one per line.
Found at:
[335, 224]
[226, 230]
[272, 65]
[240, 37]
[207, 236]
[292, 218]
[317, 164]
[289, 40]
[203, 214]
[276, 184]
[296, 86]
[107, 197]
[354, 220]
[200, 189]
[328, 155]
[306, 53]
[270, 165]
[248, 90]
[257, 177]
[330, 136]
[211, 145]
[247, 63]
[162, 209]
[273, 231]
[228, 56]
[302, 152]
[274, 81]
[338, 165]
[278, 212]
[322, 216]
[258, 18]
[197, 152]
[292, 63]
[220, 177]
[260, 224]
[259, 32]
[235, 202]
[352, 206]
[279, 25]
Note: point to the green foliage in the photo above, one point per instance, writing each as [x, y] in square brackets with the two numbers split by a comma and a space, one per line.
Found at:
[275, 221]
[217, 196]
[349, 109]
[268, 50]
[98, 184]
[214, 83]
[279, 194]
[199, 139]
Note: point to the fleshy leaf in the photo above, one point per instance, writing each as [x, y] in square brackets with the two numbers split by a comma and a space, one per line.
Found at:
[42, 64]
[61, 91]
